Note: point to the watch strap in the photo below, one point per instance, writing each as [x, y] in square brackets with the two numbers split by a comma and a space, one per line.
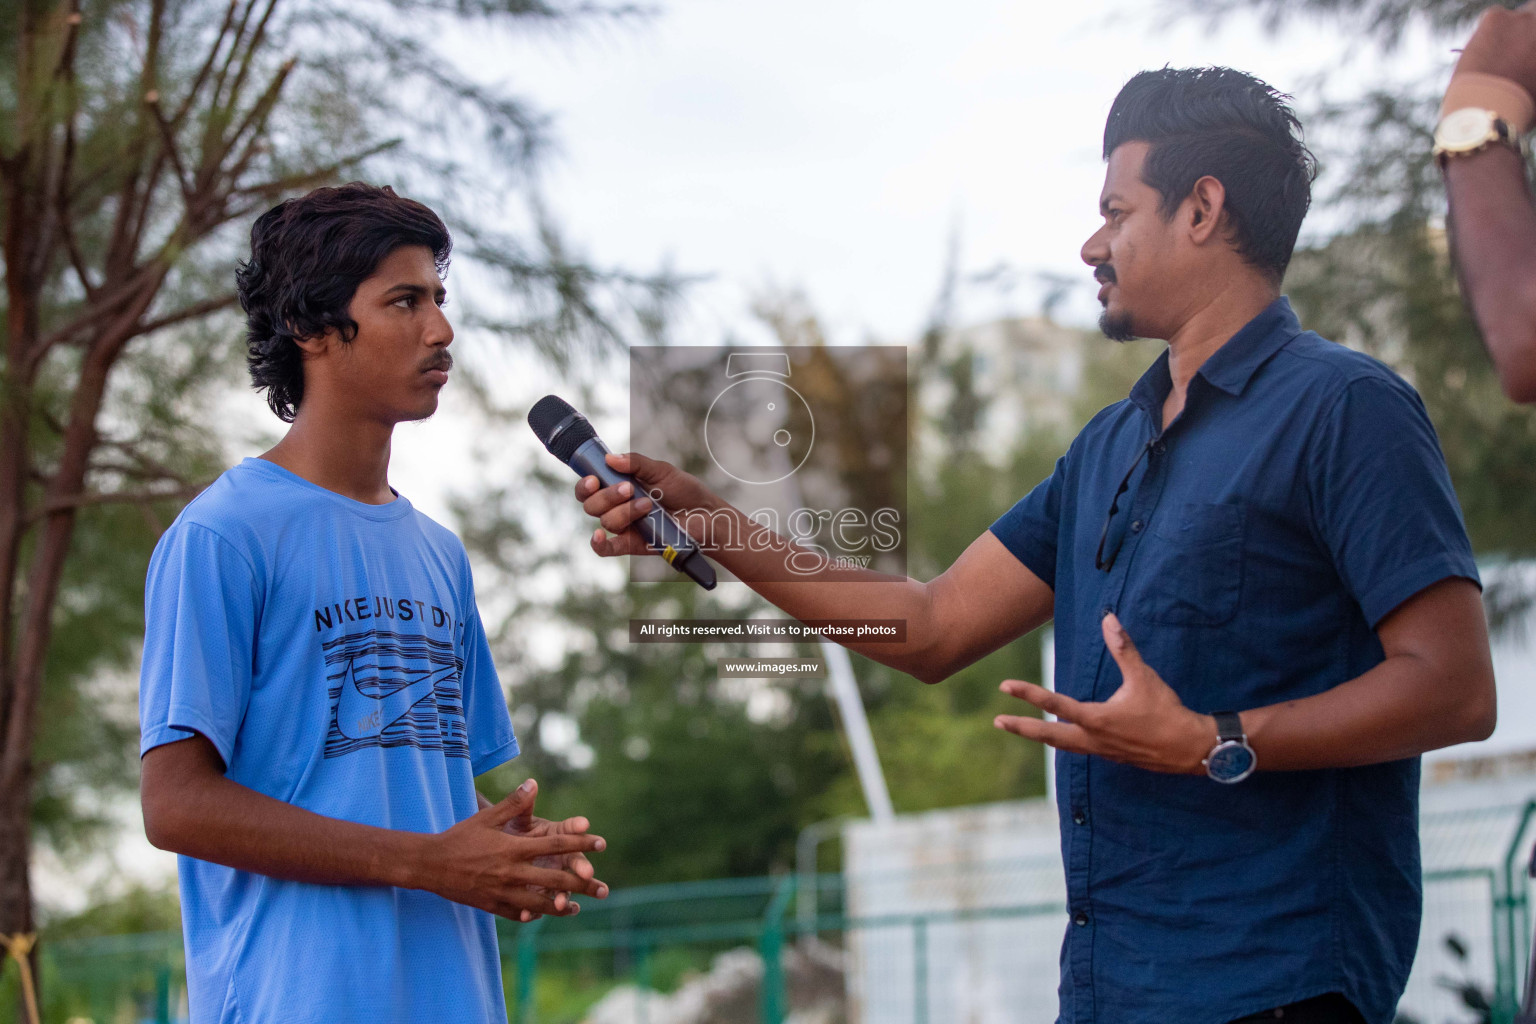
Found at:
[1229, 726]
[1506, 98]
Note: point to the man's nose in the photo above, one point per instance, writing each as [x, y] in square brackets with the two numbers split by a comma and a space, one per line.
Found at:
[441, 331]
[1094, 250]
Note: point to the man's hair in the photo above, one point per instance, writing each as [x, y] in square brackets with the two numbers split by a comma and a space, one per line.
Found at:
[308, 255]
[1233, 127]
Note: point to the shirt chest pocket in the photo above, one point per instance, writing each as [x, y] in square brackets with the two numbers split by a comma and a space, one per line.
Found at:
[1193, 564]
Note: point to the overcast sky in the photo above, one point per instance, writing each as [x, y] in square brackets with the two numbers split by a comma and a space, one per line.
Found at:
[836, 145]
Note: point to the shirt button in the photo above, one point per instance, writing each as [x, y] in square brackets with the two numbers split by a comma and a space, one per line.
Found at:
[1106, 610]
[1080, 919]
[1160, 448]
[1079, 818]
[1136, 526]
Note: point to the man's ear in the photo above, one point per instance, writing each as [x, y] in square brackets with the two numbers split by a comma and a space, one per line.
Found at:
[316, 344]
[1203, 209]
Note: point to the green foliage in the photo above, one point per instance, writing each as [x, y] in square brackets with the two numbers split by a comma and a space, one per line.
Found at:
[137, 910]
[87, 738]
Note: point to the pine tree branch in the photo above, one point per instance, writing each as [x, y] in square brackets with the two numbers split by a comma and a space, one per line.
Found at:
[255, 121]
[146, 468]
[169, 150]
[251, 47]
[219, 108]
[190, 312]
[65, 502]
[268, 190]
[206, 69]
[63, 191]
[96, 312]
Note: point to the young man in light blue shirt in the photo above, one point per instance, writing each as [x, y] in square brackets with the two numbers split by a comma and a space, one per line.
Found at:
[317, 692]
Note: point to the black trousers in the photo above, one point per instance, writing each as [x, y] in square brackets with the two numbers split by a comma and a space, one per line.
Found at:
[1329, 1009]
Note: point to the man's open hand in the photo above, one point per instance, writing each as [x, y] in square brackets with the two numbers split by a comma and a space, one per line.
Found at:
[1504, 45]
[1144, 723]
[526, 825]
[512, 874]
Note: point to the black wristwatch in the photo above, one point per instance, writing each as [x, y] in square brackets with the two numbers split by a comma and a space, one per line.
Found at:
[1232, 759]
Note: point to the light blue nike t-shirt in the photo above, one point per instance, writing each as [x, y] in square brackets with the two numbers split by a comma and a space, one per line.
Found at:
[332, 651]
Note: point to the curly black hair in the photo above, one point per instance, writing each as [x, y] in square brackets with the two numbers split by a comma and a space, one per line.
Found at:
[1237, 129]
[308, 255]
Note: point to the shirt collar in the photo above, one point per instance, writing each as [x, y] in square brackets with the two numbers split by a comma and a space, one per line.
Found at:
[1230, 367]
[1234, 364]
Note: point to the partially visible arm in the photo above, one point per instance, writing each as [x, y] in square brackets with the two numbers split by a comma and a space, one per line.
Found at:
[1493, 222]
[1493, 231]
[1434, 689]
[987, 598]
[192, 808]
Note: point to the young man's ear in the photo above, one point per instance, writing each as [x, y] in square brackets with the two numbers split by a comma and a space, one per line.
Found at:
[1205, 204]
[316, 344]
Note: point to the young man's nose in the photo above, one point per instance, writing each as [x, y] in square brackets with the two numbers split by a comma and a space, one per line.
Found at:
[441, 330]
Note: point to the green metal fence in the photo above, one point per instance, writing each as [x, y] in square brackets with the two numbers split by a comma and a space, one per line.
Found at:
[113, 979]
[701, 922]
[761, 948]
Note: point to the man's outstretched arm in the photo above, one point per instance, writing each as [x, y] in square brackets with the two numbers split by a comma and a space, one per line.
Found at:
[987, 598]
[1434, 689]
[192, 808]
[1492, 216]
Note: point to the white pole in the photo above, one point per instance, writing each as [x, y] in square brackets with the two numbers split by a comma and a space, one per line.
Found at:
[850, 705]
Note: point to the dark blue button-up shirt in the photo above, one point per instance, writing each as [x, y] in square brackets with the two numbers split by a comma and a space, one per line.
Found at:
[1298, 499]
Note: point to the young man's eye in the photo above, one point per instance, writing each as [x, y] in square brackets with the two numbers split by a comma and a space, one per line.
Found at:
[405, 302]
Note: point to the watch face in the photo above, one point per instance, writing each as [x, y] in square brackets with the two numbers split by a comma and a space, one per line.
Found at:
[1464, 129]
[1230, 762]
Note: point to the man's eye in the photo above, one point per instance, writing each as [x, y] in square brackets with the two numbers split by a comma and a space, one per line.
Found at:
[405, 301]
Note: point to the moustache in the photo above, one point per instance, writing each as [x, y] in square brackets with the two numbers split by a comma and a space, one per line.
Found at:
[442, 361]
[1104, 274]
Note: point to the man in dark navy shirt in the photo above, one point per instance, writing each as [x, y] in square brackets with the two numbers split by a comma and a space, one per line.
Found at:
[1269, 515]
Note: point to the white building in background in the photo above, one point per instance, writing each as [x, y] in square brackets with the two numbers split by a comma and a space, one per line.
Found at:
[1028, 371]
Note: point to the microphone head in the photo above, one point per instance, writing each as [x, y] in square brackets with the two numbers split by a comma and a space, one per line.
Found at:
[559, 427]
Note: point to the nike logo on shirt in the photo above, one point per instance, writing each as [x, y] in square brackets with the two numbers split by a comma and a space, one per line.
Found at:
[360, 716]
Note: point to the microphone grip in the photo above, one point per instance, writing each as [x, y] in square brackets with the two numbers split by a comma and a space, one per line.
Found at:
[659, 530]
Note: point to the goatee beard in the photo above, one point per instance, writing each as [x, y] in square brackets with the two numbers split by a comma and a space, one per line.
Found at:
[1116, 328]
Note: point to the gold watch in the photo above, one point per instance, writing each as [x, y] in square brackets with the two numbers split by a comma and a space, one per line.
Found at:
[1471, 130]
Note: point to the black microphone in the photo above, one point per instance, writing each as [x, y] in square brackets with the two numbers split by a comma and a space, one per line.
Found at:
[571, 439]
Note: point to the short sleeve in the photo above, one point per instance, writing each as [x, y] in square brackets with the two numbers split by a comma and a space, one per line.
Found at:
[202, 601]
[1382, 497]
[1030, 529]
[491, 740]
